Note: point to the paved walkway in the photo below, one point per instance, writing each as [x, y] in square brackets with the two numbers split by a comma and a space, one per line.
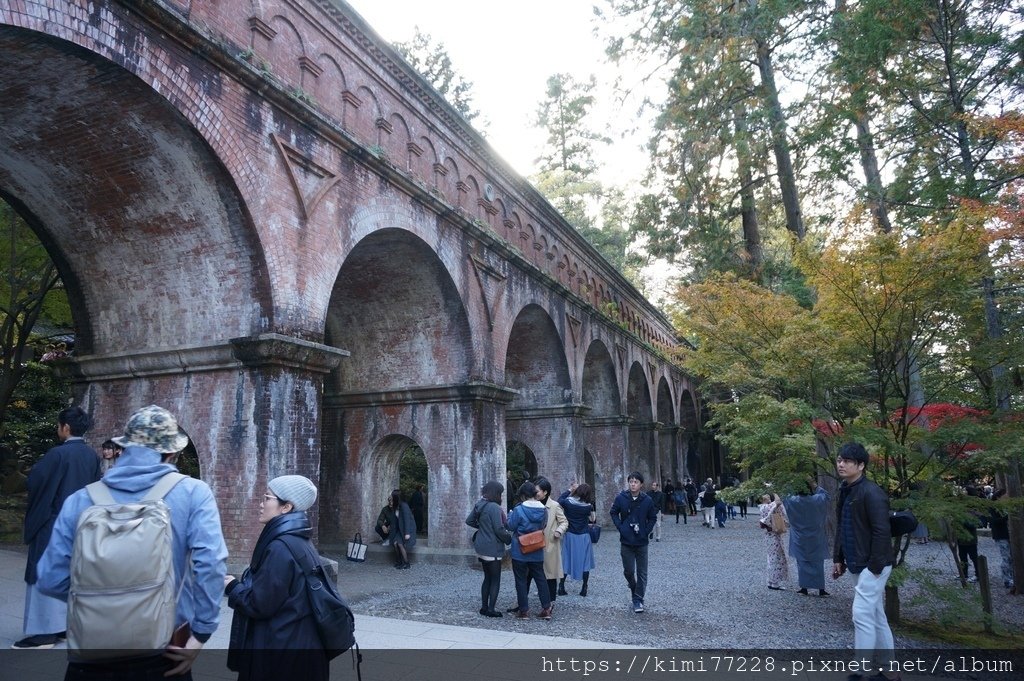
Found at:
[371, 632]
[401, 649]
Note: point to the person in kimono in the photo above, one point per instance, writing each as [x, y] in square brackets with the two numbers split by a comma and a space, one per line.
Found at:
[808, 543]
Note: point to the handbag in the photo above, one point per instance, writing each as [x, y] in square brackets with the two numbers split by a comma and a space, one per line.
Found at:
[532, 541]
[335, 623]
[595, 532]
[356, 549]
[779, 524]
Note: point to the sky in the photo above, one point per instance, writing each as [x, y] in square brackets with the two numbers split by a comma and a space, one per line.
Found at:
[508, 51]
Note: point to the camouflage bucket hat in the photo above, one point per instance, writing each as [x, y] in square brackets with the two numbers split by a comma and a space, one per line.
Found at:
[153, 427]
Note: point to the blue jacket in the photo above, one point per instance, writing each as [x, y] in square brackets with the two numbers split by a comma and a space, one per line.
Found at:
[627, 512]
[529, 516]
[576, 512]
[195, 523]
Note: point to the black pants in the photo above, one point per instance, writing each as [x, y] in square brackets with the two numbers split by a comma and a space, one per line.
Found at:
[966, 551]
[634, 569]
[524, 571]
[492, 582]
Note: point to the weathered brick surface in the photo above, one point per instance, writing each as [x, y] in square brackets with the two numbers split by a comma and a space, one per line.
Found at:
[204, 172]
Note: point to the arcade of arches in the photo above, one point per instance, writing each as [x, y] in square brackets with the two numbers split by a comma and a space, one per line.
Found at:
[319, 285]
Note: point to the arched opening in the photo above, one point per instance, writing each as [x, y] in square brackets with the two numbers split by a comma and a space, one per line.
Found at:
[384, 466]
[414, 483]
[151, 237]
[520, 462]
[142, 220]
[667, 460]
[396, 309]
[604, 439]
[641, 428]
[541, 414]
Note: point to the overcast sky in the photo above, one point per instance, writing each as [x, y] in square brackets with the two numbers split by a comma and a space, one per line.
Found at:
[508, 51]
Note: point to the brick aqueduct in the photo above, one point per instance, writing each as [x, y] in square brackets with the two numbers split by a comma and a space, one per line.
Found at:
[273, 227]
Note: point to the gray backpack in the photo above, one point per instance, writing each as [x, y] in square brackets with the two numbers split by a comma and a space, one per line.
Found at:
[122, 598]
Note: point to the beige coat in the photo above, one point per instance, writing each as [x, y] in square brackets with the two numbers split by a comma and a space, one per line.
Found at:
[556, 527]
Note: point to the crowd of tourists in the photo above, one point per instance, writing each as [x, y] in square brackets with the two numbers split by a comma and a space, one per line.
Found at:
[127, 562]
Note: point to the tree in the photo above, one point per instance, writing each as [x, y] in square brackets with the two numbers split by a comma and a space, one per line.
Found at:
[433, 62]
[29, 288]
[567, 173]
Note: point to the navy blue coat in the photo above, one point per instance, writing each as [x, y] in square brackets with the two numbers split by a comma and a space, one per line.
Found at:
[274, 626]
[61, 472]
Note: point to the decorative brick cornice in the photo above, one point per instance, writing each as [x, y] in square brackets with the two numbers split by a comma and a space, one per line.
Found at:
[461, 392]
[350, 97]
[310, 66]
[257, 25]
[269, 349]
[441, 169]
[488, 207]
[384, 125]
[555, 412]
[414, 149]
[462, 186]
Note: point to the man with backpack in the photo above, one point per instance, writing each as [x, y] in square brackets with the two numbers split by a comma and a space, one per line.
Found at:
[116, 629]
[63, 470]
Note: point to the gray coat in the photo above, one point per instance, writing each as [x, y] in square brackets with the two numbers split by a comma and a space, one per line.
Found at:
[492, 535]
[807, 514]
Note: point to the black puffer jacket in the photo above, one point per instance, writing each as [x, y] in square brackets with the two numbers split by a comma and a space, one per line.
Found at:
[869, 513]
[273, 625]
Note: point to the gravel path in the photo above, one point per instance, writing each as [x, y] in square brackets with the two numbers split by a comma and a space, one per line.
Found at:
[706, 589]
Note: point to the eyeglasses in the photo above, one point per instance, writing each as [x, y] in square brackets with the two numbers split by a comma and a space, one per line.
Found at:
[268, 497]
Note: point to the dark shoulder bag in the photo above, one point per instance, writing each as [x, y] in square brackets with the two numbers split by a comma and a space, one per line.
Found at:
[334, 620]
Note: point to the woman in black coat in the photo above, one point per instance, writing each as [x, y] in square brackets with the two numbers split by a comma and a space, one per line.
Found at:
[403, 532]
[489, 542]
[273, 634]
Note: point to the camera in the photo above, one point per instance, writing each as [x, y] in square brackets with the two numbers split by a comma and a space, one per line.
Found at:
[636, 528]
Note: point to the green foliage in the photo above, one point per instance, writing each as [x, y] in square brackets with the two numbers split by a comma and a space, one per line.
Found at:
[31, 426]
[412, 471]
[30, 290]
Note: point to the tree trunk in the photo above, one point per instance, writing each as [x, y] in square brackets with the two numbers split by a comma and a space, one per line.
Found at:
[872, 177]
[892, 604]
[748, 208]
[783, 161]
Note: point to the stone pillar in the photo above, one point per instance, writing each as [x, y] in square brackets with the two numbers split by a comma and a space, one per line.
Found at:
[461, 429]
[643, 450]
[555, 435]
[250, 406]
[606, 437]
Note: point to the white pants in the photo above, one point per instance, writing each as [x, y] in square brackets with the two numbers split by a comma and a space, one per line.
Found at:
[657, 528]
[709, 515]
[871, 630]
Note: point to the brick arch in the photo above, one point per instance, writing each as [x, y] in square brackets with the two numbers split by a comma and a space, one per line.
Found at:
[363, 121]
[638, 395]
[396, 142]
[666, 412]
[688, 412]
[395, 307]
[422, 164]
[535, 362]
[286, 50]
[600, 382]
[330, 86]
[379, 471]
[177, 208]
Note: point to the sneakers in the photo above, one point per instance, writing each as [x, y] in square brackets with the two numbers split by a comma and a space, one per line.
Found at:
[638, 605]
[37, 642]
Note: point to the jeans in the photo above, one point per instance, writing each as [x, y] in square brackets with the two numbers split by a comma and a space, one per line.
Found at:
[523, 570]
[634, 569]
[491, 584]
[870, 627]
